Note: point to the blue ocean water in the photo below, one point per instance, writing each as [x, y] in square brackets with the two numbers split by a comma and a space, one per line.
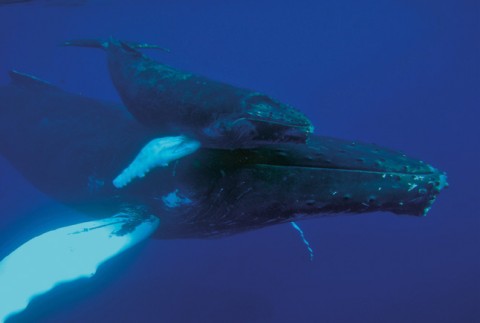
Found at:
[402, 74]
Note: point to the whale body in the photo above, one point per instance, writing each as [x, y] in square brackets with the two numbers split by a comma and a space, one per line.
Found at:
[71, 147]
[217, 114]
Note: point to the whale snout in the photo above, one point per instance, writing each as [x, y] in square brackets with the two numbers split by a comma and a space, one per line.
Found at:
[276, 121]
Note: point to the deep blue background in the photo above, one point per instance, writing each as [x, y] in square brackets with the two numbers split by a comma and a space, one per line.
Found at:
[404, 74]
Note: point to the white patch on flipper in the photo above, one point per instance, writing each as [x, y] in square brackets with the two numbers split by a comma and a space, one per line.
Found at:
[157, 153]
[64, 255]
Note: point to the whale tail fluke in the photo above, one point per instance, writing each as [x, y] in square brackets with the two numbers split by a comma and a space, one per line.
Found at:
[96, 43]
[66, 254]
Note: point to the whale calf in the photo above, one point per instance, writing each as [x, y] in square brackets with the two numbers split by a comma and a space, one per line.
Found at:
[217, 114]
[212, 113]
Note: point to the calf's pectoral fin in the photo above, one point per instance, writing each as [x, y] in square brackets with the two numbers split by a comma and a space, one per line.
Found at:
[158, 152]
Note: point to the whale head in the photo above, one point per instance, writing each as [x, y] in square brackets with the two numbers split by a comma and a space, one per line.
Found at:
[276, 121]
[231, 191]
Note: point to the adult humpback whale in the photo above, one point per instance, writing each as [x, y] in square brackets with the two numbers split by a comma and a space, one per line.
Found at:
[70, 147]
[79, 144]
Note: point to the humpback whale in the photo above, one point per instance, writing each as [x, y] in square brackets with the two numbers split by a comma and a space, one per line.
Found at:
[219, 115]
[211, 113]
[79, 144]
[71, 147]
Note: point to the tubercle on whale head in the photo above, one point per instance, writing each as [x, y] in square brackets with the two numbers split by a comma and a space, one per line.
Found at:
[438, 184]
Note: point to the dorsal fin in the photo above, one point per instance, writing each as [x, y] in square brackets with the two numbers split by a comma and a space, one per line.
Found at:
[29, 80]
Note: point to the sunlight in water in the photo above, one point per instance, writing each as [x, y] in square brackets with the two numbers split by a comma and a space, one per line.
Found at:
[64, 255]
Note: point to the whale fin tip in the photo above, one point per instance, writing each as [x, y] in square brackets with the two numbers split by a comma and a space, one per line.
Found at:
[66, 254]
[28, 80]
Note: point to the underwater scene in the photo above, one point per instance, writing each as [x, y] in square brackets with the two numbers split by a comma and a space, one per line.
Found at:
[239, 161]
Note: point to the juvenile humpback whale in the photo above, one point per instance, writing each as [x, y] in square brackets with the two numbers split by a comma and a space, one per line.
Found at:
[211, 113]
[70, 147]
[217, 114]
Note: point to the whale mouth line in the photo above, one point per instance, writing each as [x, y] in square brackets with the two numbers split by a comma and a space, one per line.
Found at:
[307, 127]
[345, 169]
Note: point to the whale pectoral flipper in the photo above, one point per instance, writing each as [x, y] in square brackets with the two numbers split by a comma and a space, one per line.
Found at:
[64, 255]
[158, 152]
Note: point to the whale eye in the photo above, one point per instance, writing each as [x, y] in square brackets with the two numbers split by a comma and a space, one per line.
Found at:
[242, 129]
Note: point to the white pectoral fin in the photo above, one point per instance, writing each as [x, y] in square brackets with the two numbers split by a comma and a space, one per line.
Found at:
[158, 152]
[64, 255]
